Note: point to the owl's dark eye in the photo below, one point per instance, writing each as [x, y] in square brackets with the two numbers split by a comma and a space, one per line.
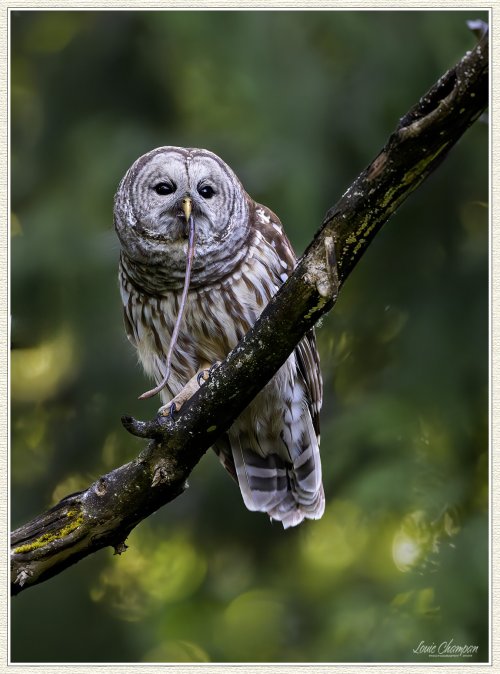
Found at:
[165, 188]
[207, 192]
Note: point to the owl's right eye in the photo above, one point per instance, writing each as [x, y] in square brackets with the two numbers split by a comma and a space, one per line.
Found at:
[165, 188]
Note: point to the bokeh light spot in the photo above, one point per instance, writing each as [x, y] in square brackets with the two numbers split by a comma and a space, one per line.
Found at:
[38, 373]
[150, 574]
[335, 541]
[252, 625]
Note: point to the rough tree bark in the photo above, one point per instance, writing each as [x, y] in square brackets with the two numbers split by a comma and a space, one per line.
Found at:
[106, 512]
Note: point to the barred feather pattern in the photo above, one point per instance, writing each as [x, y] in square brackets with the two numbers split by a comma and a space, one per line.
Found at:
[272, 449]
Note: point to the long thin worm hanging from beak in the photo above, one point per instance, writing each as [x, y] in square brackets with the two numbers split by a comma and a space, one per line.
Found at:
[186, 205]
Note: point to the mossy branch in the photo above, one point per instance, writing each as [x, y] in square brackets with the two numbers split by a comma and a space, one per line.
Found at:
[106, 512]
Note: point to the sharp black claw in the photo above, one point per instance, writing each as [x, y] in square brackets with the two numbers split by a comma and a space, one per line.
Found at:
[172, 411]
[205, 375]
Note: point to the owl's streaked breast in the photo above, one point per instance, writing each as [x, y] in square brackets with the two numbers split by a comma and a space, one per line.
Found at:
[215, 318]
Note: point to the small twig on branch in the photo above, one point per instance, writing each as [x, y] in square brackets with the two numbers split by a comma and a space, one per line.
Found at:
[106, 512]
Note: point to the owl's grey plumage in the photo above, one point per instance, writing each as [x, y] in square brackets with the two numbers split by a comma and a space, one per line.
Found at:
[241, 258]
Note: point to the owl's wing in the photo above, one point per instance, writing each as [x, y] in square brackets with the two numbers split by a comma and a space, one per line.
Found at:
[272, 230]
[306, 352]
[279, 467]
[309, 368]
[223, 450]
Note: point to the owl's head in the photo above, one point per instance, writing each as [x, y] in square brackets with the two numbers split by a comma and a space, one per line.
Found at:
[149, 216]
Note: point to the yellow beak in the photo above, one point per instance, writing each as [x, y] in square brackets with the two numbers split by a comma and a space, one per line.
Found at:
[187, 206]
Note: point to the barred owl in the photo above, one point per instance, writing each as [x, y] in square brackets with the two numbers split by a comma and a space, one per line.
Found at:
[241, 258]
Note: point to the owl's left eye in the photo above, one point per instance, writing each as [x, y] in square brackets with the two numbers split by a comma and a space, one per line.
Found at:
[206, 191]
[165, 188]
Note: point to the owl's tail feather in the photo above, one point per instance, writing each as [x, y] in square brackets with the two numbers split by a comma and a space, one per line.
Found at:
[290, 513]
[263, 481]
[287, 492]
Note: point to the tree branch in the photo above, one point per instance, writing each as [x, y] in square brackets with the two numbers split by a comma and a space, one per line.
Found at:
[106, 512]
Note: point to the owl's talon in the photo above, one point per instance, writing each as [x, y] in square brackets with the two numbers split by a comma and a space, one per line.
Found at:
[169, 410]
[202, 377]
[213, 368]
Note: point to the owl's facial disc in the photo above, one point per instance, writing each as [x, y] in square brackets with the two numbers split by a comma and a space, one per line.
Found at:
[152, 214]
[159, 186]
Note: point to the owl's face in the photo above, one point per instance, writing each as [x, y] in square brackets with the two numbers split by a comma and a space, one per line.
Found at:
[149, 217]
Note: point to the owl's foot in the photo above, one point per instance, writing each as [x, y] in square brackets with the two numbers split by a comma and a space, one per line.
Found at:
[171, 408]
[174, 406]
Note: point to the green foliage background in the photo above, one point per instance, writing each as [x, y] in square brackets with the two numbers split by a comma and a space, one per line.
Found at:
[297, 103]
